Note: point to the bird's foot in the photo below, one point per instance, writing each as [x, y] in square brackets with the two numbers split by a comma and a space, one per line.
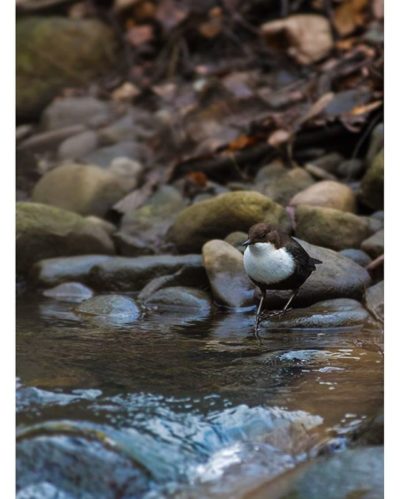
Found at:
[276, 313]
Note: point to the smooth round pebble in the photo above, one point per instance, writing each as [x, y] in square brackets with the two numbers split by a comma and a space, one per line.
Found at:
[73, 292]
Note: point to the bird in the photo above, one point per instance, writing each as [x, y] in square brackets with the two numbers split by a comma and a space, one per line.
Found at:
[273, 260]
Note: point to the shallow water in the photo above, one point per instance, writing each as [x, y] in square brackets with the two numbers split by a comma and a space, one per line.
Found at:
[179, 404]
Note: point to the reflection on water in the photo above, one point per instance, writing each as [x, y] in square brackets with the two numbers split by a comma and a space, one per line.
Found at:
[179, 404]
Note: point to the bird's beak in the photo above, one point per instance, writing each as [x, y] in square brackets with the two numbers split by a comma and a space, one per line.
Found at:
[247, 243]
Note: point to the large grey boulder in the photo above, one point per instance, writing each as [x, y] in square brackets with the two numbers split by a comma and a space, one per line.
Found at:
[340, 312]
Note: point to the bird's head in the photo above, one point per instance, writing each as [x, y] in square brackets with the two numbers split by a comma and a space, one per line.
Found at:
[264, 233]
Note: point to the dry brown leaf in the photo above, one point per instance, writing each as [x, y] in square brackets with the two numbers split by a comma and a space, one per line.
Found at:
[197, 178]
[241, 142]
[359, 110]
[308, 36]
[212, 28]
[278, 137]
[125, 92]
[317, 107]
[350, 15]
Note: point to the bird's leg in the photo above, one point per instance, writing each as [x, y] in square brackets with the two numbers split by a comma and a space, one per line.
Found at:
[281, 312]
[258, 314]
[293, 296]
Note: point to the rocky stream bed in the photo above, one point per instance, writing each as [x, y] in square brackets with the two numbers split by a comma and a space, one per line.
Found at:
[138, 373]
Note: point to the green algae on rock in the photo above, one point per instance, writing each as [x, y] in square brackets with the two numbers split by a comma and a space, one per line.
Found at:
[44, 231]
[372, 184]
[330, 228]
[52, 52]
[216, 218]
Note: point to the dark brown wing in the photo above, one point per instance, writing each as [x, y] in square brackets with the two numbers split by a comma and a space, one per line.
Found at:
[303, 259]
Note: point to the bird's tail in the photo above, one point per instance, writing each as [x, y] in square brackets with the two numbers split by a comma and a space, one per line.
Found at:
[315, 261]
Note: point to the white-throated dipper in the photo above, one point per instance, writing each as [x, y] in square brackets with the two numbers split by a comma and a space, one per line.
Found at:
[274, 260]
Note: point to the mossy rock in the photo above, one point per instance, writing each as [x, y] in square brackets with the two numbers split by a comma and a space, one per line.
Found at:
[372, 184]
[45, 231]
[216, 218]
[330, 228]
[54, 52]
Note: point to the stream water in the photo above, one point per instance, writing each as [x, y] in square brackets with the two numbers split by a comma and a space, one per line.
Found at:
[181, 404]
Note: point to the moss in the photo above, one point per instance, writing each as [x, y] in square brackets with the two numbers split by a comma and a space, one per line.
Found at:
[216, 218]
[52, 52]
[372, 184]
[330, 228]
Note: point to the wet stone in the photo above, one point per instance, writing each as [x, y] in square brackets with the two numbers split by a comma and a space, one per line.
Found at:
[280, 183]
[337, 313]
[151, 221]
[180, 298]
[351, 473]
[132, 274]
[72, 111]
[374, 245]
[336, 277]
[74, 292]
[331, 228]
[78, 145]
[352, 168]
[52, 271]
[374, 300]
[105, 155]
[111, 306]
[236, 239]
[357, 255]
[186, 276]
[329, 162]
[47, 231]
[44, 141]
[229, 282]
[47, 468]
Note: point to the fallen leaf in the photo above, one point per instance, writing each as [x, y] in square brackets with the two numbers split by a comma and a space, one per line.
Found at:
[125, 92]
[210, 29]
[241, 142]
[278, 137]
[197, 178]
[349, 15]
[307, 36]
[317, 108]
[358, 110]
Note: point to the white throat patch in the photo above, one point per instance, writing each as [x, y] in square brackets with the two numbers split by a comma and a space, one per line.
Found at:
[266, 264]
